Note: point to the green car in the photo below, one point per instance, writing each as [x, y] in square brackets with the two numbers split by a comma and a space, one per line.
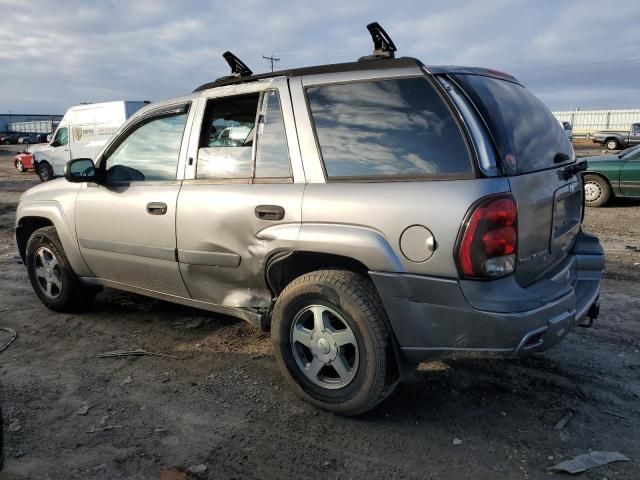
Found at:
[612, 176]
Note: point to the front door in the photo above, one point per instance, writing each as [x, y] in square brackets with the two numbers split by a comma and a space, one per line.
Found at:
[60, 153]
[126, 226]
[241, 198]
[634, 134]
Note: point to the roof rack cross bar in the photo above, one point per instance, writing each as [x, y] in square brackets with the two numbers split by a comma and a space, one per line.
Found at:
[383, 46]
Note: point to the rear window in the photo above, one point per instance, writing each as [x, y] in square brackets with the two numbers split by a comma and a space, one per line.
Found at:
[387, 128]
[527, 135]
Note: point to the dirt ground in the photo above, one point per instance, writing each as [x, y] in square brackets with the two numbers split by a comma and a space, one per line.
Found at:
[223, 404]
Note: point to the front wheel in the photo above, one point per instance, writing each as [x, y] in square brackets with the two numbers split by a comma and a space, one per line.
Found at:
[332, 343]
[20, 166]
[596, 191]
[51, 275]
[45, 172]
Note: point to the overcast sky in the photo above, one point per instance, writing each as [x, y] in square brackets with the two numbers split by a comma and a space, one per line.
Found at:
[54, 54]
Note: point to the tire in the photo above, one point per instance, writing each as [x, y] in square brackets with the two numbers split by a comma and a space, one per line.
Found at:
[20, 166]
[45, 172]
[612, 144]
[597, 191]
[353, 339]
[51, 275]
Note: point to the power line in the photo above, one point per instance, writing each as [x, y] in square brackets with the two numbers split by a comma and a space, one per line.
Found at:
[271, 59]
[570, 65]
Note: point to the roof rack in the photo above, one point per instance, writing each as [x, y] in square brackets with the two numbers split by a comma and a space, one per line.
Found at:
[383, 46]
[238, 67]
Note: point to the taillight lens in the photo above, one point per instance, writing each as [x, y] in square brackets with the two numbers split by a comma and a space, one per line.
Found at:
[488, 243]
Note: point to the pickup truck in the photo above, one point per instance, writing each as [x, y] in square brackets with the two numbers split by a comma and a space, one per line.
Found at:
[617, 139]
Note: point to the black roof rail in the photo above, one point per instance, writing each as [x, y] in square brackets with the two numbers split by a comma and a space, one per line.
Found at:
[383, 46]
[238, 67]
[376, 63]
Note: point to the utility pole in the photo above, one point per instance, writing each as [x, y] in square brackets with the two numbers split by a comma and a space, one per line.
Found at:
[272, 60]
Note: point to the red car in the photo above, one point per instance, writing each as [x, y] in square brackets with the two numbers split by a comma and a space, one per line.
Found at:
[23, 162]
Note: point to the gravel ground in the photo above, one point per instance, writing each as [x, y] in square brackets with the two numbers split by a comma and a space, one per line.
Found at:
[223, 404]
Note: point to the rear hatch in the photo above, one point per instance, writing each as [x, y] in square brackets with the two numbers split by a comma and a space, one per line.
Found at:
[534, 152]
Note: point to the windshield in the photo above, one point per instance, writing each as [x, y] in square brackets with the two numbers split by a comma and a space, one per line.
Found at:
[629, 151]
[527, 135]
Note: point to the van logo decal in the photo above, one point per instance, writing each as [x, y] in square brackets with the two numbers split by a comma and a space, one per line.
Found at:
[77, 133]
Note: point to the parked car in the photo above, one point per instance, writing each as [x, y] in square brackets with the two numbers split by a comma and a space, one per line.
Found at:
[617, 139]
[611, 176]
[9, 138]
[370, 223]
[23, 161]
[82, 132]
[33, 138]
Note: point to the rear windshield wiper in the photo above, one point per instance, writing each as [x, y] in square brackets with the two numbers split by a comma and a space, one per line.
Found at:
[571, 170]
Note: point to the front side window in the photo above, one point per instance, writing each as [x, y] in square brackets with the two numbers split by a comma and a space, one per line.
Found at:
[62, 137]
[387, 128]
[636, 128]
[150, 152]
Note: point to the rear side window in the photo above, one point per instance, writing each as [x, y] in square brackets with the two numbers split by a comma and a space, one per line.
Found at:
[231, 140]
[226, 141]
[527, 135]
[396, 128]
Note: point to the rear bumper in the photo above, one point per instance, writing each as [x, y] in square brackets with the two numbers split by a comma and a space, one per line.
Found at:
[432, 317]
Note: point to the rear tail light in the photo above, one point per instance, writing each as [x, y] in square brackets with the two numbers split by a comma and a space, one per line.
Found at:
[488, 241]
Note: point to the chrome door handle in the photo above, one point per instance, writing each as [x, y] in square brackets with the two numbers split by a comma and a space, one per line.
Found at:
[157, 208]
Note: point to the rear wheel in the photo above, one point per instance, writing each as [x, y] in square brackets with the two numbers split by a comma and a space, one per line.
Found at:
[612, 144]
[20, 166]
[51, 275]
[45, 172]
[332, 343]
[596, 191]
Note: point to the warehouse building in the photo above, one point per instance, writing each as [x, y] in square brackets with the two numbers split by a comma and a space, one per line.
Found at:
[14, 122]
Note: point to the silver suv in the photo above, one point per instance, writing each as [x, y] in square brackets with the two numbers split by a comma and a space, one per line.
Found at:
[371, 214]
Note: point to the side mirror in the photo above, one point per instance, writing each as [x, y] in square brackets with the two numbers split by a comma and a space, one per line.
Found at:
[81, 170]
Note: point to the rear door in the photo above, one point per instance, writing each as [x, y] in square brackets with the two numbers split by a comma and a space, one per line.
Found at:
[534, 152]
[242, 194]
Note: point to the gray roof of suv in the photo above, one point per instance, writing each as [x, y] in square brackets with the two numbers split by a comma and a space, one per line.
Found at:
[368, 64]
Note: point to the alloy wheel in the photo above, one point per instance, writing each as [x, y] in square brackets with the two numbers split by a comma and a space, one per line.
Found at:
[324, 347]
[48, 273]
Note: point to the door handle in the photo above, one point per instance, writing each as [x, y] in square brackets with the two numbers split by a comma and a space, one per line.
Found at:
[270, 212]
[157, 208]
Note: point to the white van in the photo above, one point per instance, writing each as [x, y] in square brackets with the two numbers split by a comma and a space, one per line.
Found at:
[82, 132]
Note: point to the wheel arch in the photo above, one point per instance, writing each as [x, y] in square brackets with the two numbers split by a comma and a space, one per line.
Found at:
[612, 137]
[613, 184]
[285, 266]
[40, 214]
